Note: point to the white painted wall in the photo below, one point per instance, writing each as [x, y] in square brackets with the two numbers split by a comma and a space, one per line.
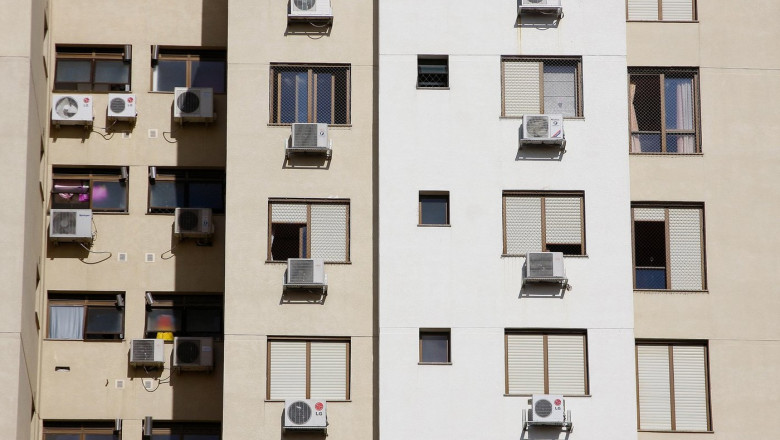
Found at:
[454, 277]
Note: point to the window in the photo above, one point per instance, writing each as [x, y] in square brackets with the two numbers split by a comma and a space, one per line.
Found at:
[174, 188]
[79, 431]
[434, 208]
[541, 86]
[546, 363]
[92, 69]
[663, 111]
[311, 369]
[544, 221]
[308, 229]
[185, 315]
[434, 346]
[83, 317]
[162, 430]
[673, 386]
[98, 189]
[432, 72]
[318, 93]
[188, 68]
[669, 247]
[662, 10]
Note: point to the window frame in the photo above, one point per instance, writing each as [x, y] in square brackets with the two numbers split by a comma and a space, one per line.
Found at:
[662, 72]
[667, 248]
[308, 237]
[188, 56]
[542, 219]
[275, 92]
[87, 300]
[309, 340]
[179, 429]
[694, 14]
[706, 373]
[186, 176]
[447, 333]
[94, 54]
[92, 175]
[545, 333]
[180, 304]
[439, 195]
[82, 429]
[576, 61]
[433, 60]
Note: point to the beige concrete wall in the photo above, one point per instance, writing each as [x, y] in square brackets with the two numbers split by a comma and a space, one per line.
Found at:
[736, 177]
[258, 36]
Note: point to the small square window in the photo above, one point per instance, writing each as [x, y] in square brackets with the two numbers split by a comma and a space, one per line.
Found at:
[434, 208]
[432, 72]
[435, 346]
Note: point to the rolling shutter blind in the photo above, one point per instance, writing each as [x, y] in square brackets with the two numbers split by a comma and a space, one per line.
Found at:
[649, 214]
[288, 370]
[288, 213]
[329, 370]
[690, 388]
[654, 393]
[525, 363]
[522, 88]
[563, 219]
[560, 91]
[566, 364]
[523, 225]
[643, 10]
[329, 232]
[685, 249]
[680, 10]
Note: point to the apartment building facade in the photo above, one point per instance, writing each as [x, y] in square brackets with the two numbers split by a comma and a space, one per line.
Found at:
[475, 182]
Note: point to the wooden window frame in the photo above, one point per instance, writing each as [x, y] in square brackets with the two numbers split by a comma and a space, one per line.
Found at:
[188, 56]
[184, 302]
[706, 372]
[576, 61]
[668, 268]
[694, 13]
[186, 176]
[275, 101]
[86, 300]
[308, 202]
[542, 219]
[309, 341]
[436, 332]
[81, 429]
[110, 174]
[545, 334]
[179, 429]
[93, 54]
[444, 195]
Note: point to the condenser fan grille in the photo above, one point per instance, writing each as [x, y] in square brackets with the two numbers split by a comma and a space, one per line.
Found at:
[143, 350]
[543, 408]
[305, 135]
[187, 352]
[67, 107]
[301, 271]
[188, 220]
[188, 102]
[541, 265]
[538, 126]
[117, 105]
[304, 5]
[63, 223]
[299, 412]
[535, 2]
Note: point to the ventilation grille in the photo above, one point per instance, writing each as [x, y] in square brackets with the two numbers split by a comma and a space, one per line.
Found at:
[300, 271]
[189, 220]
[543, 408]
[63, 222]
[304, 5]
[537, 126]
[143, 350]
[117, 105]
[188, 102]
[299, 412]
[187, 351]
[540, 264]
[305, 135]
[66, 107]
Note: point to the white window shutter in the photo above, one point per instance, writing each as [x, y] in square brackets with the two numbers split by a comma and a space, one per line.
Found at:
[566, 364]
[329, 231]
[288, 213]
[563, 219]
[643, 10]
[522, 88]
[685, 249]
[288, 370]
[677, 10]
[329, 370]
[525, 363]
[523, 225]
[649, 214]
[690, 388]
[654, 392]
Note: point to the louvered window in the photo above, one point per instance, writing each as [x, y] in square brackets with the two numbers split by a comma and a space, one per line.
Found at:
[672, 384]
[541, 86]
[308, 229]
[661, 10]
[546, 363]
[549, 221]
[311, 369]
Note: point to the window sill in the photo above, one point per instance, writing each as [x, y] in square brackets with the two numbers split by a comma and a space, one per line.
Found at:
[109, 212]
[327, 400]
[665, 154]
[433, 88]
[675, 291]
[566, 396]
[165, 92]
[434, 363]
[90, 92]
[523, 256]
[289, 124]
[431, 225]
[85, 340]
[671, 431]
[567, 118]
[662, 21]
[326, 262]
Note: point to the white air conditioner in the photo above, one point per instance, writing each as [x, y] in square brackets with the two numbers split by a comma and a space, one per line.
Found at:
[121, 107]
[147, 352]
[310, 10]
[543, 129]
[309, 137]
[70, 225]
[193, 104]
[193, 222]
[305, 414]
[69, 109]
[544, 267]
[552, 7]
[193, 354]
[547, 409]
[305, 272]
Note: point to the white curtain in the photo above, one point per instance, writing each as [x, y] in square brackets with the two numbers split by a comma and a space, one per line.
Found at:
[684, 92]
[66, 322]
[636, 145]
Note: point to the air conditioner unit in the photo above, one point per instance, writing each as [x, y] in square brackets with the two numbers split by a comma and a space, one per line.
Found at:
[309, 137]
[193, 104]
[544, 267]
[70, 225]
[543, 129]
[71, 109]
[147, 352]
[121, 107]
[305, 272]
[310, 10]
[547, 409]
[552, 7]
[305, 414]
[193, 354]
[193, 222]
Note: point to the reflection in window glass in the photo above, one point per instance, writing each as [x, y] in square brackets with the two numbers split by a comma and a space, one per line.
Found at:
[169, 74]
[203, 320]
[103, 321]
[166, 194]
[206, 73]
[206, 195]
[73, 71]
[435, 347]
[434, 209]
[109, 195]
[163, 320]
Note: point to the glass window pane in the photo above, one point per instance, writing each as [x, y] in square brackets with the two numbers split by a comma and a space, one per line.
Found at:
[203, 321]
[101, 437]
[109, 195]
[324, 98]
[200, 437]
[294, 99]
[650, 278]
[112, 72]
[560, 89]
[207, 73]
[648, 143]
[206, 195]
[62, 437]
[647, 102]
[680, 143]
[163, 320]
[66, 322]
[104, 320]
[70, 194]
[166, 437]
[678, 94]
[73, 71]
[433, 210]
[435, 347]
[169, 74]
[166, 194]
